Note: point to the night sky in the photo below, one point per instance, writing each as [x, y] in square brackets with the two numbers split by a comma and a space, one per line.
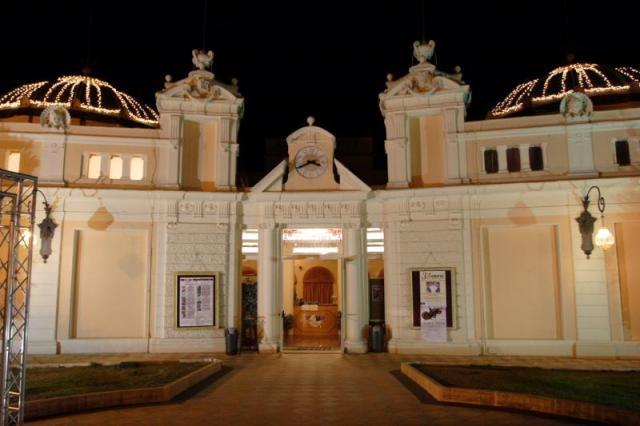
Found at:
[326, 59]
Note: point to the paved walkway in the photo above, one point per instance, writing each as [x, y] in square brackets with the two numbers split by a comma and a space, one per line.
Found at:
[316, 389]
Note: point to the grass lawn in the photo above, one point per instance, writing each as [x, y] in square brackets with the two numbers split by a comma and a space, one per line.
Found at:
[64, 381]
[620, 389]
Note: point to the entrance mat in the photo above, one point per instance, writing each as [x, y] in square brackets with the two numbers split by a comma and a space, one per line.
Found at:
[310, 348]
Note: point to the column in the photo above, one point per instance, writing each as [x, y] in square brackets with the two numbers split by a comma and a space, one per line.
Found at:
[393, 313]
[226, 155]
[355, 294]
[233, 281]
[268, 314]
[396, 150]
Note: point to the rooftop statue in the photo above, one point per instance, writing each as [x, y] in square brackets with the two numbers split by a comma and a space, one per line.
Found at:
[423, 51]
[202, 59]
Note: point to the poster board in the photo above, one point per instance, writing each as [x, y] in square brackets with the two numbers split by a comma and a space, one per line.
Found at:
[196, 299]
[435, 294]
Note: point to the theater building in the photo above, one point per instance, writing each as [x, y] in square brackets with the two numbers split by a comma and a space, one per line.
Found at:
[157, 250]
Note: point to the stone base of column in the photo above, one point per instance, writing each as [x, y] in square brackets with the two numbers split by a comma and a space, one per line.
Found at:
[395, 185]
[268, 348]
[355, 347]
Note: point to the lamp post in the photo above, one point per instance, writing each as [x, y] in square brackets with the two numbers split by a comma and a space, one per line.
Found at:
[47, 229]
[604, 238]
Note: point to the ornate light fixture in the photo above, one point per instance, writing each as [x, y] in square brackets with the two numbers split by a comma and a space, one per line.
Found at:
[47, 229]
[604, 238]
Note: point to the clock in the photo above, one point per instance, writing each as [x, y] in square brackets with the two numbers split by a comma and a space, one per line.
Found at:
[311, 162]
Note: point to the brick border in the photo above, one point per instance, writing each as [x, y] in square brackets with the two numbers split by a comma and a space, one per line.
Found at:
[90, 401]
[521, 401]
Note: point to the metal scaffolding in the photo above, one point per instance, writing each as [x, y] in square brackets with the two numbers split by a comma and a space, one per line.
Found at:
[17, 215]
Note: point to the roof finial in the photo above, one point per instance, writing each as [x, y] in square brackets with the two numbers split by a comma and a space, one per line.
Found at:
[423, 52]
[201, 59]
[311, 120]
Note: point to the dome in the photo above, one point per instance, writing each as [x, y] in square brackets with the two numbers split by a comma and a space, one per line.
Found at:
[604, 85]
[85, 97]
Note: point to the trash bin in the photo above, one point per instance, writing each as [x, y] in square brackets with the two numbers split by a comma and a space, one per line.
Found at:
[377, 338]
[231, 340]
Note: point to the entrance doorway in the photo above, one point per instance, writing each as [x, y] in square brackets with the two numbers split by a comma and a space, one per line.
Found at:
[312, 304]
[312, 289]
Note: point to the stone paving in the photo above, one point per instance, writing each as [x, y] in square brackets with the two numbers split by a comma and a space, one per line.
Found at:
[315, 389]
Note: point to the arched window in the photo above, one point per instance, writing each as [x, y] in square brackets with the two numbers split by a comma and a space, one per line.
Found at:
[491, 161]
[317, 286]
[623, 158]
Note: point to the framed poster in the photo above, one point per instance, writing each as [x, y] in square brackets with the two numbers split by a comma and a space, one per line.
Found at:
[197, 299]
[433, 287]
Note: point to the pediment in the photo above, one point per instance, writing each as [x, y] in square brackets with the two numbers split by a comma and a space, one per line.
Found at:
[422, 79]
[273, 181]
[311, 134]
[199, 86]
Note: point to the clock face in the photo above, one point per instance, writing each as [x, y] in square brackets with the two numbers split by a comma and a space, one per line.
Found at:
[311, 162]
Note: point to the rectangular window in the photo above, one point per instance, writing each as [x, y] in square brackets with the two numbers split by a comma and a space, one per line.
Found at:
[13, 162]
[536, 160]
[513, 159]
[137, 168]
[93, 169]
[491, 161]
[115, 168]
[623, 158]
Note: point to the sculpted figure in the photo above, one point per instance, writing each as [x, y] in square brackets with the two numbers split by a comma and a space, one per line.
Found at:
[202, 59]
[423, 51]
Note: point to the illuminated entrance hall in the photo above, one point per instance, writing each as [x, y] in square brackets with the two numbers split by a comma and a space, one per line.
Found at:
[312, 288]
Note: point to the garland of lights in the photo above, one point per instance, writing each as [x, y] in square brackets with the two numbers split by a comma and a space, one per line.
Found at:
[64, 91]
[591, 79]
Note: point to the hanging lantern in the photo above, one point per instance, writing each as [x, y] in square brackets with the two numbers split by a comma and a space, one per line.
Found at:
[604, 238]
[47, 230]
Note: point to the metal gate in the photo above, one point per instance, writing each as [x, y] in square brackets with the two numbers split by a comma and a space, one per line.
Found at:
[17, 211]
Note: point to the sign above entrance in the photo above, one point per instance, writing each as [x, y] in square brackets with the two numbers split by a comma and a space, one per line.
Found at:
[312, 234]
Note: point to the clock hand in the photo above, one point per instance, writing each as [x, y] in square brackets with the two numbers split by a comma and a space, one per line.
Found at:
[314, 162]
[303, 164]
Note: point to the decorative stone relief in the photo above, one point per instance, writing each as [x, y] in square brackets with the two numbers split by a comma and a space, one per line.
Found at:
[455, 220]
[441, 204]
[198, 211]
[421, 205]
[576, 106]
[311, 209]
[55, 116]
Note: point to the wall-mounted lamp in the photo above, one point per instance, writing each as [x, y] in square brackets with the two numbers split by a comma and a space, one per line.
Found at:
[47, 229]
[604, 238]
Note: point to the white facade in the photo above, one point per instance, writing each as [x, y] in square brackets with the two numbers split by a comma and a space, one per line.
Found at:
[522, 284]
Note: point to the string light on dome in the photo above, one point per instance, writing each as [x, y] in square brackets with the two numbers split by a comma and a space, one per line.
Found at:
[512, 103]
[591, 79]
[628, 72]
[12, 99]
[66, 89]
